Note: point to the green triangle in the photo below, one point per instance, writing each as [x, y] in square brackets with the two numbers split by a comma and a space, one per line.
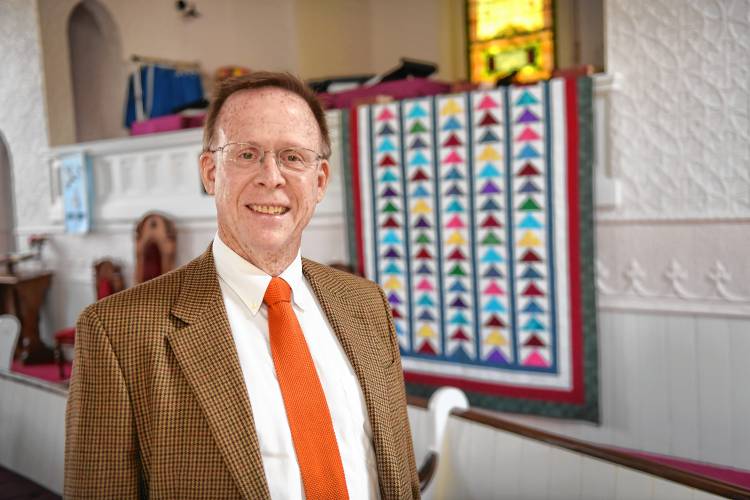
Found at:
[529, 205]
[417, 127]
[423, 239]
[389, 208]
[457, 270]
[491, 239]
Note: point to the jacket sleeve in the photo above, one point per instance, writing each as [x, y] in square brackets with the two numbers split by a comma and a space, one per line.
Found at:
[401, 412]
[101, 453]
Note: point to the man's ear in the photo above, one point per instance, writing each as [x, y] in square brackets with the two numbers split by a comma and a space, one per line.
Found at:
[208, 171]
[323, 176]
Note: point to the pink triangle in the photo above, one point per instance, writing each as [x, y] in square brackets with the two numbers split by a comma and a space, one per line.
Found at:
[455, 223]
[493, 289]
[535, 359]
[453, 158]
[487, 103]
[425, 285]
[385, 115]
[528, 134]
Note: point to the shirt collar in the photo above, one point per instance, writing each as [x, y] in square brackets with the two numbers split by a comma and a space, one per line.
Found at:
[250, 282]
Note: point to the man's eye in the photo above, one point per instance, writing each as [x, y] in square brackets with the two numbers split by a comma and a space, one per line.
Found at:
[293, 157]
[248, 155]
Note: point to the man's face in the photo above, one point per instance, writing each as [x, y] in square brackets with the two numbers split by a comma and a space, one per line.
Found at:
[273, 119]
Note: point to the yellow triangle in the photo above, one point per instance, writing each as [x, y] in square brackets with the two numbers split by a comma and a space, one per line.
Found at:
[426, 332]
[496, 338]
[529, 239]
[456, 239]
[421, 207]
[451, 107]
[489, 154]
[392, 284]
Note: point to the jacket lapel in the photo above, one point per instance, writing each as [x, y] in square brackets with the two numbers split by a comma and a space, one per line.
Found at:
[205, 351]
[354, 331]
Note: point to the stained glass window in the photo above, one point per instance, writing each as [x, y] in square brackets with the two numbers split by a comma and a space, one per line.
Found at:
[510, 38]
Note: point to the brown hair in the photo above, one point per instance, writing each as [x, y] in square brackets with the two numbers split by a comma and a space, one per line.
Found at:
[258, 80]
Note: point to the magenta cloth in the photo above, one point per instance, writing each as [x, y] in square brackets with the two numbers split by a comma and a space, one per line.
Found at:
[167, 123]
[398, 89]
[49, 372]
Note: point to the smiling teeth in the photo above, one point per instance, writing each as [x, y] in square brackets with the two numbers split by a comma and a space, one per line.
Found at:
[268, 209]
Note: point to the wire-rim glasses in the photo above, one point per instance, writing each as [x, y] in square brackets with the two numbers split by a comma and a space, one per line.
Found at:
[246, 155]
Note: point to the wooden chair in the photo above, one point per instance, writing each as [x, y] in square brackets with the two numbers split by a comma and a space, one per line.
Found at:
[10, 329]
[155, 247]
[108, 279]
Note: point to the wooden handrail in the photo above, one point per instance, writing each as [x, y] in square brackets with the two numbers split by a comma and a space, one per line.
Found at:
[664, 471]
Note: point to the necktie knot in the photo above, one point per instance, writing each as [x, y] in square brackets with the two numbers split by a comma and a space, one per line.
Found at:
[278, 291]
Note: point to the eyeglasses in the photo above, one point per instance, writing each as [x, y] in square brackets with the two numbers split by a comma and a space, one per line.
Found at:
[250, 156]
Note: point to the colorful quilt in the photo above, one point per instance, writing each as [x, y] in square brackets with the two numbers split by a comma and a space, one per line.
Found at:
[474, 213]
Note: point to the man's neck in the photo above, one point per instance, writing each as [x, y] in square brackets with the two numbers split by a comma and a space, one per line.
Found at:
[271, 262]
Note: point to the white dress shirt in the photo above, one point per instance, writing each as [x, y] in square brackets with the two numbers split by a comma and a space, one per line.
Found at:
[242, 287]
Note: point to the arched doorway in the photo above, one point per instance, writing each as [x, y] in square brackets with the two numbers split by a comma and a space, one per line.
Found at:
[97, 72]
[7, 218]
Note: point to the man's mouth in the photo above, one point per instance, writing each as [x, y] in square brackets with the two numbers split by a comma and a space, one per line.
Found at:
[269, 209]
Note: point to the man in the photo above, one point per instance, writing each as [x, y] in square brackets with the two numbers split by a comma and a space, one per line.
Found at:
[249, 372]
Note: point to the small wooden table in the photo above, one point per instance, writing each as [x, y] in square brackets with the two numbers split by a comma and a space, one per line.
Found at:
[22, 295]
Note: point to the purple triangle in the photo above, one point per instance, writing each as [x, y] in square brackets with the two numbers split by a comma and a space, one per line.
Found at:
[394, 299]
[490, 188]
[388, 192]
[392, 254]
[527, 117]
[421, 223]
[458, 303]
[497, 357]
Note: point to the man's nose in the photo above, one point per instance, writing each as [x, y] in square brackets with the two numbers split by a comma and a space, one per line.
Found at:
[269, 173]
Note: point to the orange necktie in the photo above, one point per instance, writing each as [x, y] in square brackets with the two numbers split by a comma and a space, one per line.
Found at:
[306, 408]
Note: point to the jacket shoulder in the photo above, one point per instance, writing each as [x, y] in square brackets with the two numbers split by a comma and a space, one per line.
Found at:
[340, 282]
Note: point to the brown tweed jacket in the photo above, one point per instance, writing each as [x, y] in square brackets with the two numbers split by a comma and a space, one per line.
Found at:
[158, 407]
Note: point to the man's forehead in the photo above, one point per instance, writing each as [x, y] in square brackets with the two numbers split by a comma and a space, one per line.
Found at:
[266, 103]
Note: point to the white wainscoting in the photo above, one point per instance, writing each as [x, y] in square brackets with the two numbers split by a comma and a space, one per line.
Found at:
[32, 429]
[672, 384]
[481, 463]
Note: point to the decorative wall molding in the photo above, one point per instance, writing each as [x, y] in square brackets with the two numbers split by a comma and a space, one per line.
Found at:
[675, 296]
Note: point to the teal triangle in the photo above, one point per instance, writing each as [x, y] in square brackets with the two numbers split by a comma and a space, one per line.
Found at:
[489, 136]
[527, 99]
[419, 159]
[529, 222]
[392, 268]
[417, 111]
[460, 355]
[528, 152]
[388, 176]
[425, 300]
[420, 192]
[532, 324]
[492, 257]
[494, 306]
[490, 204]
[458, 319]
[452, 124]
[455, 207]
[391, 238]
[454, 174]
[386, 146]
[489, 170]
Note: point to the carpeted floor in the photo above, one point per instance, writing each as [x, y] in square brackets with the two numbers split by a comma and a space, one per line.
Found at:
[15, 487]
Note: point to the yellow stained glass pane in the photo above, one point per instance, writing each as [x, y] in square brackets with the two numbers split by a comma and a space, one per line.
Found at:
[496, 18]
[510, 37]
